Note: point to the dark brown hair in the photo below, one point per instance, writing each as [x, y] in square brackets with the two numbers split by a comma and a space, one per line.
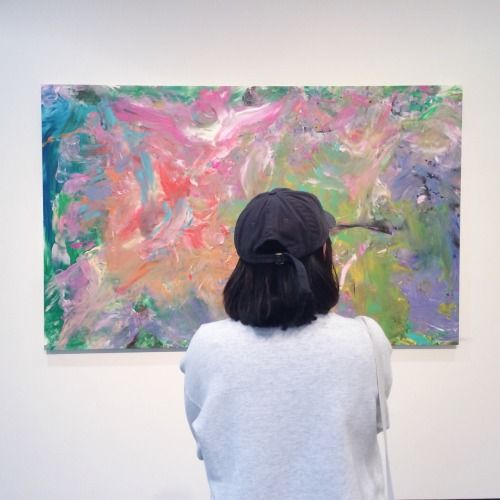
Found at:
[265, 295]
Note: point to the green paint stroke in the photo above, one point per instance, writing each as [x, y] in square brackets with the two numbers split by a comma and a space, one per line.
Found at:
[54, 314]
[427, 236]
[378, 297]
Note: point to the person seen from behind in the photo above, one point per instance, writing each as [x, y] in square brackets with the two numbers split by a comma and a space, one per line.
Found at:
[282, 397]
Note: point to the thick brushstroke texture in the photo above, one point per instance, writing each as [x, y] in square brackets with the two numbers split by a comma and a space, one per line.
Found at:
[142, 187]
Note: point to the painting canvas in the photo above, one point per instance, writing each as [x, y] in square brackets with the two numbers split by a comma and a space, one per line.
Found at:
[143, 185]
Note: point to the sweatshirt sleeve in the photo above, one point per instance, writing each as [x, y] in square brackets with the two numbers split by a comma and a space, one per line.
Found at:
[383, 351]
[192, 409]
[192, 412]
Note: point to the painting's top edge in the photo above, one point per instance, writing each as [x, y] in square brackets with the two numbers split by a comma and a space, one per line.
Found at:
[252, 84]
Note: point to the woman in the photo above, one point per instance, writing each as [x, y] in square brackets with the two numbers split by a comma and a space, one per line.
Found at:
[282, 396]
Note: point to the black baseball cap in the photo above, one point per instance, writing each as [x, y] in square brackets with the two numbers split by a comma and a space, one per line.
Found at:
[294, 219]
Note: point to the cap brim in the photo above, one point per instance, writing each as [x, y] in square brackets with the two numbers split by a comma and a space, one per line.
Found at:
[330, 220]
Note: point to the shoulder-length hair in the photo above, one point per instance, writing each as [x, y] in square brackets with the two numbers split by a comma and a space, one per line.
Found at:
[266, 295]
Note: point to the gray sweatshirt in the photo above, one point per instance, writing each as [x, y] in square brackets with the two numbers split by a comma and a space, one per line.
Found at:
[287, 415]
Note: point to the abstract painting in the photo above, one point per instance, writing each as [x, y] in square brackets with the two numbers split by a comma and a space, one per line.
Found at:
[143, 184]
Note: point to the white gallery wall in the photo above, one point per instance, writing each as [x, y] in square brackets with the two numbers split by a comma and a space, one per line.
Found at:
[111, 426]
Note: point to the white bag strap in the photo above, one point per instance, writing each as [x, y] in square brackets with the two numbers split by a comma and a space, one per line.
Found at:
[383, 412]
